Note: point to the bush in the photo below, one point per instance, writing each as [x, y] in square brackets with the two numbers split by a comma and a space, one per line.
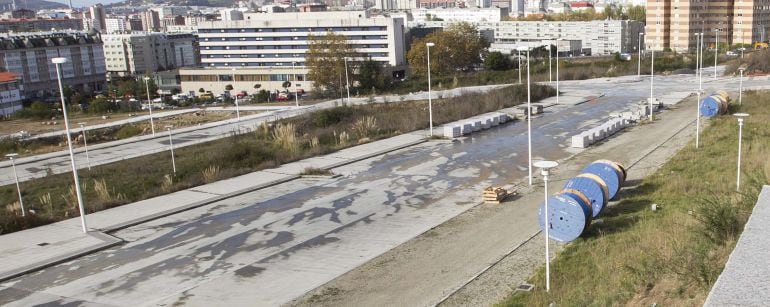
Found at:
[38, 110]
[128, 131]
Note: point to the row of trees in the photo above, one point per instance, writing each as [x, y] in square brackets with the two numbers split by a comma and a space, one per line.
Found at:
[633, 12]
[327, 56]
[459, 47]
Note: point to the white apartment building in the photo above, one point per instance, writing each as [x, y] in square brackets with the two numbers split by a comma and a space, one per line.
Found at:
[597, 37]
[272, 46]
[116, 25]
[471, 15]
[146, 52]
[11, 93]
[29, 56]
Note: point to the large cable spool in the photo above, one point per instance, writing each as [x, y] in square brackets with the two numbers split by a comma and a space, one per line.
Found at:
[715, 104]
[569, 214]
[610, 172]
[593, 187]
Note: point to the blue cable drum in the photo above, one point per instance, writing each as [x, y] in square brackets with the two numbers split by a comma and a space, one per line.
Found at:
[714, 104]
[593, 188]
[569, 214]
[610, 173]
[618, 167]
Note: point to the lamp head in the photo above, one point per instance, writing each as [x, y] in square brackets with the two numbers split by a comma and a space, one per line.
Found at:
[741, 115]
[59, 60]
[11, 155]
[545, 164]
[168, 127]
[146, 78]
[430, 44]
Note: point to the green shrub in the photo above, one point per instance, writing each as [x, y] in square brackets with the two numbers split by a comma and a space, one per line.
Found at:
[128, 131]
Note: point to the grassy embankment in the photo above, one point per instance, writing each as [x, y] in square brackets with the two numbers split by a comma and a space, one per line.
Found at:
[672, 256]
[317, 133]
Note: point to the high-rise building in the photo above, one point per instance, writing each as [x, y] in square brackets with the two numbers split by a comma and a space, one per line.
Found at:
[29, 55]
[116, 25]
[150, 21]
[98, 17]
[673, 24]
[135, 53]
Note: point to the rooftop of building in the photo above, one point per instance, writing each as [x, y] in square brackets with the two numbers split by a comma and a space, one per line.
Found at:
[8, 77]
[10, 41]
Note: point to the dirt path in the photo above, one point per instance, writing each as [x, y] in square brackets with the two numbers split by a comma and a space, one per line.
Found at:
[431, 267]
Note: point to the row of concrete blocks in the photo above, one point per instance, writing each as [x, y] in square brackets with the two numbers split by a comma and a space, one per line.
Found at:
[632, 116]
[458, 129]
[597, 134]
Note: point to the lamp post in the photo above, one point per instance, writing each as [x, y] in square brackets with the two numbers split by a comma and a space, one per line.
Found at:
[171, 146]
[430, 104]
[700, 72]
[58, 63]
[550, 71]
[716, 52]
[557, 70]
[237, 108]
[697, 122]
[740, 116]
[652, 80]
[296, 91]
[529, 123]
[519, 58]
[85, 143]
[544, 167]
[16, 177]
[347, 80]
[149, 103]
[639, 68]
[697, 55]
[740, 88]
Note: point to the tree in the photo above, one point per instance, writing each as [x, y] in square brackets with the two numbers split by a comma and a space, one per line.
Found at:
[201, 90]
[262, 96]
[286, 84]
[457, 48]
[637, 12]
[257, 86]
[497, 61]
[370, 75]
[229, 87]
[100, 106]
[325, 59]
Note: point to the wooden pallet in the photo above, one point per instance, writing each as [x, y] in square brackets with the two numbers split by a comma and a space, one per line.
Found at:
[494, 195]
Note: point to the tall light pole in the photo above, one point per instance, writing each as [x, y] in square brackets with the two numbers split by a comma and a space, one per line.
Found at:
[639, 68]
[347, 80]
[545, 166]
[697, 122]
[296, 91]
[550, 60]
[237, 109]
[171, 146]
[149, 103]
[16, 177]
[652, 80]
[740, 88]
[700, 73]
[716, 52]
[58, 63]
[740, 140]
[529, 123]
[85, 143]
[557, 70]
[430, 103]
[519, 58]
[697, 55]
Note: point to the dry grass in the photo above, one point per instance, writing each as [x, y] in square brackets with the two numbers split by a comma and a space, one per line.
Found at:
[672, 256]
[211, 173]
[285, 137]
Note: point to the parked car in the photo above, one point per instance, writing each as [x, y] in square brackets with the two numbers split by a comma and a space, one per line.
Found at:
[730, 53]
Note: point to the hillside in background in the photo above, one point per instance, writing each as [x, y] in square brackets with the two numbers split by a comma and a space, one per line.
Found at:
[34, 4]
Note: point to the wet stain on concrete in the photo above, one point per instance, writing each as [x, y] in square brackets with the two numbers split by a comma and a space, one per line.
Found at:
[317, 212]
[249, 271]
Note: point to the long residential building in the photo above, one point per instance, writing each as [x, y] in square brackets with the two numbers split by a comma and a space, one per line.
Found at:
[674, 24]
[270, 48]
[29, 55]
[135, 53]
[597, 37]
[39, 24]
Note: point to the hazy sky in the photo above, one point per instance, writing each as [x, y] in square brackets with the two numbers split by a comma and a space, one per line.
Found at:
[82, 3]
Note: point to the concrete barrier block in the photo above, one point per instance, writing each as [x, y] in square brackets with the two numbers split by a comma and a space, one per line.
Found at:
[503, 118]
[486, 123]
[467, 128]
[452, 131]
[476, 125]
[580, 141]
[495, 120]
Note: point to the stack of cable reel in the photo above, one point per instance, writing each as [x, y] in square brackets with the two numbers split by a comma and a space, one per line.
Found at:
[582, 199]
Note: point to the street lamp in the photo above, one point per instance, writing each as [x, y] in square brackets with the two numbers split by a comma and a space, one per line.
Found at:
[544, 167]
[347, 80]
[430, 104]
[557, 70]
[639, 69]
[652, 80]
[85, 143]
[740, 116]
[529, 122]
[149, 103]
[519, 58]
[16, 177]
[296, 91]
[700, 72]
[716, 52]
[740, 88]
[58, 63]
[171, 144]
[550, 73]
[697, 122]
[237, 108]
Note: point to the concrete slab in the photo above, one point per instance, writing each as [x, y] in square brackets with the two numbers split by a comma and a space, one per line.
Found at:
[744, 280]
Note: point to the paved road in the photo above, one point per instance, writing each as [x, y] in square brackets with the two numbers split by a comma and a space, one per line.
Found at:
[270, 246]
[58, 162]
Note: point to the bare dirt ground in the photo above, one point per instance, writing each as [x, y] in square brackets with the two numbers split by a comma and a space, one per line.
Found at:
[442, 266]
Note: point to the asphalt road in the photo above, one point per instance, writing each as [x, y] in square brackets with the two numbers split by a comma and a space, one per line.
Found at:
[270, 246]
